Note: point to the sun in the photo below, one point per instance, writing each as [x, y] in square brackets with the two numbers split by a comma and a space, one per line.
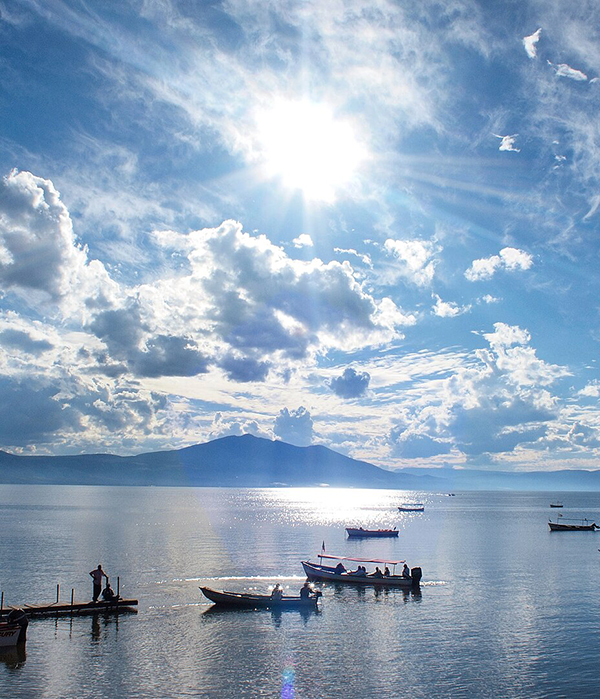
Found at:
[311, 150]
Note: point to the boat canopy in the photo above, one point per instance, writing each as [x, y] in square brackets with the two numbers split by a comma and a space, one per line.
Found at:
[361, 560]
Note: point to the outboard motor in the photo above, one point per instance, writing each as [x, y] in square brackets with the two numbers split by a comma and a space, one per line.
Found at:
[18, 616]
[416, 575]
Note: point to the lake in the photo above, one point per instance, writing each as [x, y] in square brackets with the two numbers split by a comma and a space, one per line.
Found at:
[506, 608]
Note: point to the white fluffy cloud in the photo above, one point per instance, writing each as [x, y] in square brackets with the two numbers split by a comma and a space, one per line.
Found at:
[508, 143]
[509, 259]
[565, 71]
[303, 241]
[294, 426]
[448, 309]
[529, 42]
[416, 259]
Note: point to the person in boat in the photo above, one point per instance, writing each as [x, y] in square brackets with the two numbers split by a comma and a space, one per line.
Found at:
[277, 592]
[386, 572]
[377, 573]
[406, 571]
[305, 591]
[340, 568]
[108, 594]
[361, 572]
[97, 575]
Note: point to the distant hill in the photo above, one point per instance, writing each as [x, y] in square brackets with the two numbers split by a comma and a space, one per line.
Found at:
[245, 461]
[249, 461]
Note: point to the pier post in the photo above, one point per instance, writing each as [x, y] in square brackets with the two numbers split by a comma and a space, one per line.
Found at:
[2, 601]
[72, 593]
[57, 593]
[118, 585]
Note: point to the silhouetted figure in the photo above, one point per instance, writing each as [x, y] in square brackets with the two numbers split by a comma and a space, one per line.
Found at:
[406, 571]
[386, 572]
[97, 575]
[377, 573]
[305, 591]
[108, 594]
[277, 592]
[340, 568]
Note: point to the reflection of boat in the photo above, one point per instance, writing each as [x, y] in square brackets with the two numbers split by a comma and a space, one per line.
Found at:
[9, 634]
[318, 571]
[572, 525]
[360, 532]
[412, 507]
[252, 601]
[556, 504]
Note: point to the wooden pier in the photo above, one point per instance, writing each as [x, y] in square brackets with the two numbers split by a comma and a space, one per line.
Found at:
[65, 608]
[112, 606]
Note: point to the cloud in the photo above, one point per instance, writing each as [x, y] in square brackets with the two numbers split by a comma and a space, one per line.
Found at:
[508, 143]
[225, 426]
[294, 426]
[303, 241]
[351, 384]
[39, 258]
[409, 445]
[448, 309]
[509, 259]
[415, 257]
[23, 341]
[529, 42]
[565, 71]
[244, 369]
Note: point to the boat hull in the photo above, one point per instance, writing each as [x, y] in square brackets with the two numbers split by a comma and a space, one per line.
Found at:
[409, 508]
[554, 527]
[324, 574]
[364, 533]
[249, 601]
[9, 634]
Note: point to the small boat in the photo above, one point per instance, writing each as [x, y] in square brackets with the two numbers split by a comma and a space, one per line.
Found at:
[9, 634]
[253, 601]
[363, 533]
[324, 573]
[556, 504]
[572, 525]
[412, 507]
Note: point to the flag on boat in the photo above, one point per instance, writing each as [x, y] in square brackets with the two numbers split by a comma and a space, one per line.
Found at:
[323, 548]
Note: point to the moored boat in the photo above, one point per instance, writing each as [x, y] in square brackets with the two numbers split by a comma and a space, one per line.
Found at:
[572, 525]
[412, 507]
[363, 533]
[324, 573]
[556, 504]
[254, 601]
[9, 634]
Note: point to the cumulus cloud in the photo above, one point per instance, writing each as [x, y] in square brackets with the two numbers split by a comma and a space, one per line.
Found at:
[226, 425]
[415, 258]
[508, 143]
[294, 426]
[448, 309]
[244, 369]
[529, 42]
[509, 259]
[303, 241]
[23, 341]
[407, 444]
[39, 257]
[565, 71]
[351, 384]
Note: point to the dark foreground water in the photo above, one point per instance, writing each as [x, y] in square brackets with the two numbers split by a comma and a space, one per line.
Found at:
[507, 609]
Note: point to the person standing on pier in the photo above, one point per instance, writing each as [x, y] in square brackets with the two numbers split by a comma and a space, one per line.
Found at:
[97, 575]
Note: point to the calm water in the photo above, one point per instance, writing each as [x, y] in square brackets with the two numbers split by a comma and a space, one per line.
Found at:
[507, 609]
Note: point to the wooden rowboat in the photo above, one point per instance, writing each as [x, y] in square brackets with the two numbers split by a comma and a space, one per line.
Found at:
[360, 532]
[412, 507]
[252, 601]
[323, 573]
[563, 525]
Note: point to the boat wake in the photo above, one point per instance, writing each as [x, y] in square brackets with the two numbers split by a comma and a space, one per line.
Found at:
[249, 577]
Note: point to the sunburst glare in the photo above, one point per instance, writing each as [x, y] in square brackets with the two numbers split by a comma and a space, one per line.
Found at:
[309, 148]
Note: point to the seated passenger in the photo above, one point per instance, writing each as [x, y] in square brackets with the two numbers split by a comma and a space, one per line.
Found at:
[377, 573]
[305, 591]
[340, 568]
[386, 572]
[108, 594]
[406, 571]
[277, 592]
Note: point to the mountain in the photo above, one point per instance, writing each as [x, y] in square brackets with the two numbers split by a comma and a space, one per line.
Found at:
[245, 461]
[249, 461]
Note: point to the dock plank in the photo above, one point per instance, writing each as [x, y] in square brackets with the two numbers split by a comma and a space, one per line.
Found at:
[54, 608]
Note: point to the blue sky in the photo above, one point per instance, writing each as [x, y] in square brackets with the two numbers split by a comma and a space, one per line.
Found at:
[368, 225]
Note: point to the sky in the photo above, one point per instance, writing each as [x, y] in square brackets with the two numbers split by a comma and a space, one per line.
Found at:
[368, 225]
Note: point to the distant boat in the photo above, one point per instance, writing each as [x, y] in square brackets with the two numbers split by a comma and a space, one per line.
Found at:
[360, 532]
[252, 601]
[412, 507]
[572, 525]
[556, 504]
